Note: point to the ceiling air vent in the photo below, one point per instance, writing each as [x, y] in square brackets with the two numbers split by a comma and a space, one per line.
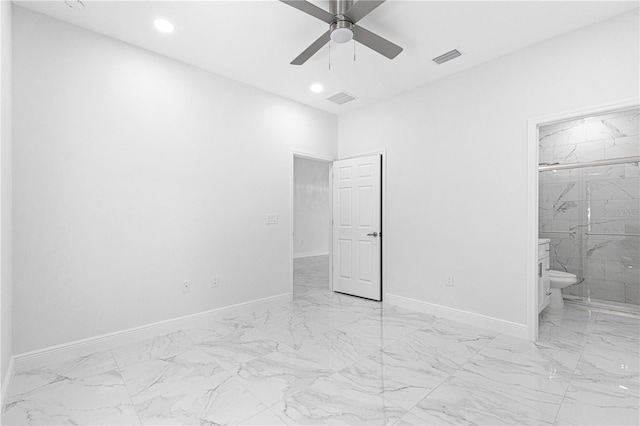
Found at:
[341, 98]
[447, 57]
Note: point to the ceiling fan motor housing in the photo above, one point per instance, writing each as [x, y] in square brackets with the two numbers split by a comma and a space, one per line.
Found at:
[341, 30]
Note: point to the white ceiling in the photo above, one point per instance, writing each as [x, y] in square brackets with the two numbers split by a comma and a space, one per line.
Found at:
[254, 41]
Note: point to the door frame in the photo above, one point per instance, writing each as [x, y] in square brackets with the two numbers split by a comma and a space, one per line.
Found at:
[385, 229]
[316, 157]
[533, 125]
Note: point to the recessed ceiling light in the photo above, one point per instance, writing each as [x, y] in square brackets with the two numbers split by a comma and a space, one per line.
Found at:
[163, 25]
[316, 88]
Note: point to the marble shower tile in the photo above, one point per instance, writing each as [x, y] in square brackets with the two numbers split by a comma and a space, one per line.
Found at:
[579, 152]
[567, 133]
[545, 153]
[280, 374]
[560, 192]
[614, 171]
[148, 379]
[219, 399]
[567, 210]
[559, 176]
[622, 271]
[594, 268]
[622, 125]
[337, 400]
[606, 290]
[612, 248]
[632, 170]
[632, 293]
[565, 248]
[618, 189]
[628, 146]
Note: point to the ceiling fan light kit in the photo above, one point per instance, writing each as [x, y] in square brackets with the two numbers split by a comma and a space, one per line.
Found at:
[342, 18]
[341, 31]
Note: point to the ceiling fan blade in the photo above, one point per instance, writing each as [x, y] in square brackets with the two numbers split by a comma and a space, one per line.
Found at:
[311, 50]
[362, 8]
[310, 9]
[375, 42]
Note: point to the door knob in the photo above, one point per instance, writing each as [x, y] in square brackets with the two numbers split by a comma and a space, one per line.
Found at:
[375, 234]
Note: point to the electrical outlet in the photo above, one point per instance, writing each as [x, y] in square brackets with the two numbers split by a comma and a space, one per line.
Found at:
[271, 219]
[215, 281]
[449, 280]
[186, 286]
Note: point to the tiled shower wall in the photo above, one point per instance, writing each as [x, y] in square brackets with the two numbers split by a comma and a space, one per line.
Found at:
[577, 203]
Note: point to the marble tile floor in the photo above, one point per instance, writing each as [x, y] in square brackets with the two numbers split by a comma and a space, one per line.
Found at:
[327, 358]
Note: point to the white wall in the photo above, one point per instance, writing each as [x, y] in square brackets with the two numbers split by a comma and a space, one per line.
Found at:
[6, 283]
[457, 163]
[134, 172]
[311, 207]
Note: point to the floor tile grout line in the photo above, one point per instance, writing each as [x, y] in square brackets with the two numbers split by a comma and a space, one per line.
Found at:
[124, 382]
[448, 377]
[555, 418]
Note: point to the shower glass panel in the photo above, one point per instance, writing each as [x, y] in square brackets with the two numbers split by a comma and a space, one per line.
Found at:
[591, 212]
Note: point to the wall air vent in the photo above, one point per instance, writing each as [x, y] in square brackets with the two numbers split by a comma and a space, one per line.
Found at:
[341, 98]
[447, 57]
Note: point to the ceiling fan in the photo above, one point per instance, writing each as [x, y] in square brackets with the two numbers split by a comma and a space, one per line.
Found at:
[342, 18]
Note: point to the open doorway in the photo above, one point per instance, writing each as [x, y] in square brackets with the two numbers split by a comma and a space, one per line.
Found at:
[582, 219]
[311, 226]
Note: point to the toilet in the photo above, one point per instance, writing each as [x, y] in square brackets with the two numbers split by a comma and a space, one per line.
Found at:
[559, 280]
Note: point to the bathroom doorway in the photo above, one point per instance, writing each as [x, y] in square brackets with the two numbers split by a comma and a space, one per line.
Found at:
[584, 191]
[589, 201]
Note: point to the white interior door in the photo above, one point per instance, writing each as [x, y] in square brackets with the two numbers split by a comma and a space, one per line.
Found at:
[357, 226]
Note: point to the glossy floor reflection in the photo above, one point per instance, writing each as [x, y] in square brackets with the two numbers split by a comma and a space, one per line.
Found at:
[328, 358]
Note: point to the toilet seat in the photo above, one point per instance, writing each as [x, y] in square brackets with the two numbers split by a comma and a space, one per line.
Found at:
[561, 277]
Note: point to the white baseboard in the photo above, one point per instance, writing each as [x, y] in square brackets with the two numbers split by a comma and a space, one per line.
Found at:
[471, 318]
[78, 348]
[6, 382]
[310, 254]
